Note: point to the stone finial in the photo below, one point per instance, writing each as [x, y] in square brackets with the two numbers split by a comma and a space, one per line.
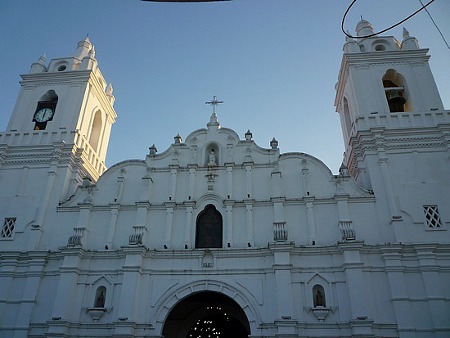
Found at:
[409, 42]
[109, 89]
[152, 151]
[248, 135]
[343, 170]
[83, 48]
[91, 53]
[350, 46]
[405, 33]
[109, 93]
[274, 144]
[177, 139]
[39, 66]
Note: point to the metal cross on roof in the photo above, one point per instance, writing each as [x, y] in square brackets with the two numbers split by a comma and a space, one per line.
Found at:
[214, 102]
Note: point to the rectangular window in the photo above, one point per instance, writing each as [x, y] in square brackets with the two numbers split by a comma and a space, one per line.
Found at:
[8, 227]
[432, 219]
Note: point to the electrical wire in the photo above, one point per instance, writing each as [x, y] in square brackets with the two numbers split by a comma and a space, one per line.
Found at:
[442, 35]
[384, 30]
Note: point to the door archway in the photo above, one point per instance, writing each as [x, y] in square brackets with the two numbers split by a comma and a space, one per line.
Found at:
[206, 314]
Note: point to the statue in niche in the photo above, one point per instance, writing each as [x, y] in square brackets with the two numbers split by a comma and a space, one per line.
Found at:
[212, 158]
[100, 301]
[319, 300]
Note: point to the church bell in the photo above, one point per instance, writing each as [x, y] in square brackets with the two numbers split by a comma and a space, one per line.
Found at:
[396, 100]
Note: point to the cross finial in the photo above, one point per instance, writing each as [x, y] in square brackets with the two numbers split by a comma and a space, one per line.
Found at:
[214, 102]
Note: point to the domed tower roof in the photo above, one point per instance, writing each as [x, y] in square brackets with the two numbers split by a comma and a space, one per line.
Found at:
[364, 28]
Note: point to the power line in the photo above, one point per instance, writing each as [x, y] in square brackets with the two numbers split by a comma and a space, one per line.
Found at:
[442, 35]
[384, 30]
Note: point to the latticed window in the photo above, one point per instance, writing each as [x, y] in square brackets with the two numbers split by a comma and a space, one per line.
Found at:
[432, 218]
[8, 227]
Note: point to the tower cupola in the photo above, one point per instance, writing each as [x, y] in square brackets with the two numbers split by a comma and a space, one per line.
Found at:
[364, 28]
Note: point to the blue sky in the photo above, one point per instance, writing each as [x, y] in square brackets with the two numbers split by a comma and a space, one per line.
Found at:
[273, 62]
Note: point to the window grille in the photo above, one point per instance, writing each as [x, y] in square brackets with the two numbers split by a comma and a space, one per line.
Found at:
[432, 217]
[8, 227]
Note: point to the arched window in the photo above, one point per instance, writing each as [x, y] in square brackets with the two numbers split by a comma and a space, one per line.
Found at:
[394, 88]
[96, 130]
[45, 110]
[100, 296]
[208, 232]
[319, 296]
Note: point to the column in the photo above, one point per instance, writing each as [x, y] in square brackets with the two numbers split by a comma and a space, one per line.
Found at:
[114, 213]
[27, 303]
[83, 221]
[173, 182]
[169, 224]
[276, 184]
[146, 189]
[129, 292]
[229, 182]
[310, 220]
[141, 219]
[35, 236]
[249, 222]
[21, 187]
[345, 224]
[229, 223]
[284, 296]
[248, 181]
[66, 291]
[386, 178]
[120, 183]
[434, 290]
[306, 182]
[361, 322]
[191, 189]
[188, 225]
[399, 294]
[7, 272]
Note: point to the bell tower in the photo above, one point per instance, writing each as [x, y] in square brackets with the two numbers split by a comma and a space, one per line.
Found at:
[393, 122]
[56, 140]
[66, 101]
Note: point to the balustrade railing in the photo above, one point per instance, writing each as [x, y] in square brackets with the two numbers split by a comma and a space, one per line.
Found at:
[280, 233]
[136, 237]
[347, 231]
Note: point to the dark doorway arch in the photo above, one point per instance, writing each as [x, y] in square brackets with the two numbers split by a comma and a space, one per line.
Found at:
[208, 233]
[206, 314]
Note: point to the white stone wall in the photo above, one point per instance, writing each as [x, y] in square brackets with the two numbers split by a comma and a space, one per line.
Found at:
[384, 273]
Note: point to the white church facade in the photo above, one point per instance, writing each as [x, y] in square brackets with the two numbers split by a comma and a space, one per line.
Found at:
[217, 236]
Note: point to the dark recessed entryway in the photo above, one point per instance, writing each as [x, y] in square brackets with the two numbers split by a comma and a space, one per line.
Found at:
[206, 315]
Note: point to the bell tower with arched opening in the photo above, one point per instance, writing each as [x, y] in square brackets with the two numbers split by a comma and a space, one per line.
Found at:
[393, 122]
[56, 139]
[66, 101]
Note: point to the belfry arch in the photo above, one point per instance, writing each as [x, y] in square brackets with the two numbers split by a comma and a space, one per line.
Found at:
[197, 297]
